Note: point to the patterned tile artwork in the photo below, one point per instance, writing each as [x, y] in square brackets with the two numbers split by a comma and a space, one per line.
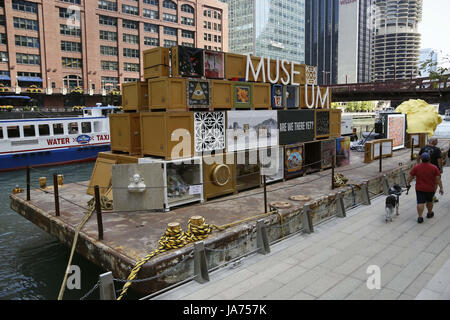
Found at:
[209, 131]
[311, 75]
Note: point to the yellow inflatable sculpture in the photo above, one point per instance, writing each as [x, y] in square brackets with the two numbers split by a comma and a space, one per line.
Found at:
[421, 116]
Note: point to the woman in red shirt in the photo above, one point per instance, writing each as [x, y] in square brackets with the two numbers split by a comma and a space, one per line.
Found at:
[428, 177]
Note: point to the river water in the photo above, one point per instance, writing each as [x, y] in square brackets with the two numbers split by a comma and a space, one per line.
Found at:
[32, 262]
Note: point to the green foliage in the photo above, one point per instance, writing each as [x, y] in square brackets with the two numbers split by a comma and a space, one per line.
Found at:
[435, 70]
[360, 106]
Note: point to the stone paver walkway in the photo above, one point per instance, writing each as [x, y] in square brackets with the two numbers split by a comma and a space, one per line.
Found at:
[332, 262]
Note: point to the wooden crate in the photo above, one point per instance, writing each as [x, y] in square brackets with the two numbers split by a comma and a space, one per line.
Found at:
[248, 173]
[158, 129]
[235, 66]
[221, 94]
[311, 96]
[187, 62]
[372, 149]
[101, 175]
[167, 93]
[156, 62]
[420, 139]
[322, 124]
[313, 156]
[242, 95]
[261, 96]
[335, 123]
[135, 96]
[219, 175]
[125, 132]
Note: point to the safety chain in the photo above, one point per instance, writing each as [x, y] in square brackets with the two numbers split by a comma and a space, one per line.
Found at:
[90, 291]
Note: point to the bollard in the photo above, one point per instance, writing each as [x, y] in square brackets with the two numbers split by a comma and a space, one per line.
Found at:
[28, 184]
[262, 240]
[200, 266]
[307, 220]
[365, 194]
[340, 207]
[56, 194]
[98, 209]
[106, 286]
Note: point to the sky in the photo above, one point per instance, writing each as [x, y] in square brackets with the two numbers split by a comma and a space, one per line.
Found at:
[435, 25]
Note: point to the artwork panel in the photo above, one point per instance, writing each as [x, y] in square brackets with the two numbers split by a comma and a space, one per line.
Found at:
[198, 94]
[209, 131]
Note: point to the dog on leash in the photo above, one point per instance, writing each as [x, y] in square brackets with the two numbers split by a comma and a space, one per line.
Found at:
[393, 202]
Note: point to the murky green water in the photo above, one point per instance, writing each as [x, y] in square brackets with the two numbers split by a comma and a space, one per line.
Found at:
[32, 262]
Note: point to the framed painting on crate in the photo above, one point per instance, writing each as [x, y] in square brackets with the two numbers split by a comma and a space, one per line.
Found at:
[396, 130]
[342, 151]
[277, 96]
[328, 153]
[243, 95]
[198, 94]
[294, 161]
[322, 124]
[187, 62]
[292, 97]
[214, 64]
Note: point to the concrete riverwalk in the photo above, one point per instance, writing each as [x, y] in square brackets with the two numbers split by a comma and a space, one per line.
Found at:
[332, 263]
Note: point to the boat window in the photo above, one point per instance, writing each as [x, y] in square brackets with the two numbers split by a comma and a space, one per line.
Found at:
[58, 128]
[44, 130]
[97, 126]
[28, 131]
[1, 133]
[13, 132]
[73, 128]
[86, 127]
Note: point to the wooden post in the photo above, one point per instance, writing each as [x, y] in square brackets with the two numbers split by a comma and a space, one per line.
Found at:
[28, 184]
[265, 194]
[98, 209]
[56, 194]
[333, 161]
[412, 148]
[381, 157]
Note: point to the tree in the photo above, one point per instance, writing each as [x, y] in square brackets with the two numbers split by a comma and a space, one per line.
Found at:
[436, 70]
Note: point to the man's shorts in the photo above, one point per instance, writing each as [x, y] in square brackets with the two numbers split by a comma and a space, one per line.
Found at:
[424, 197]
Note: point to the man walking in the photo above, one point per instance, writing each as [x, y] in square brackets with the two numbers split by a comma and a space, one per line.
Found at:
[428, 177]
[434, 152]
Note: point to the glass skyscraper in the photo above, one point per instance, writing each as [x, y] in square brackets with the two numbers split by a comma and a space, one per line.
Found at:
[321, 38]
[267, 28]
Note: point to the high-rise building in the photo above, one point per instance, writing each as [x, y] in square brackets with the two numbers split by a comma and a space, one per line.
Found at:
[98, 44]
[355, 34]
[267, 28]
[321, 38]
[396, 40]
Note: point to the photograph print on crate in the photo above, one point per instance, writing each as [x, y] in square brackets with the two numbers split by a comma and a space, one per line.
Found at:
[214, 65]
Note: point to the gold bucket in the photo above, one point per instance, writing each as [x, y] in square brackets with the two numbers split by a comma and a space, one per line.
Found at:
[60, 179]
[43, 182]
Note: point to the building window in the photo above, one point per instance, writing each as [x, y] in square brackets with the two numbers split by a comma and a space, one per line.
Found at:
[72, 1]
[130, 38]
[187, 44]
[130, 53]
[107, 21]
[187, 8]
[107, 5]
[130, 10]
[170, 17]
[187, 34]
[4, 56]
[73, 63]
[130, 79]
[153, 2]
[25, 6]
[70, 46]
[108, 51]
[24, 58]
[151, 27]
[24, 41]
[72, 81]
[69, 14]
[170, 31]
[108, 35]
[3, 38]
[152, 14]
[169, 43]
[129, 24]
[109, 82]
[187, 21]
[131, 67]
[22, 23]
[169, 4]
[151, 41]
[69, 31]
[110, 66]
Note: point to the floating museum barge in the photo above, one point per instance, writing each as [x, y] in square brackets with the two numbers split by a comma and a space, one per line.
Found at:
[155, 175]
